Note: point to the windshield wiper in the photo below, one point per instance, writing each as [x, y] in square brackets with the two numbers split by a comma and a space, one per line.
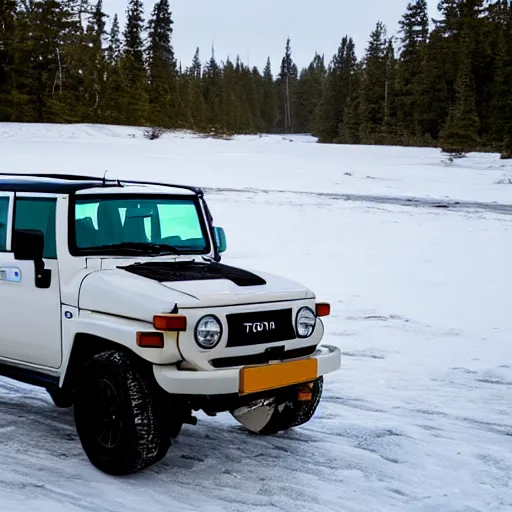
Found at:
[135, 248]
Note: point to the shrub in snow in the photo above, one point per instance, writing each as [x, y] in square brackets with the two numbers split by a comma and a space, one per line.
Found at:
[506, 180]
[216, 132]
[453, 156]
[153, 133]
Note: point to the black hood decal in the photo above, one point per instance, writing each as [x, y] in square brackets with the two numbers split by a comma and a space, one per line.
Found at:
[193, 271]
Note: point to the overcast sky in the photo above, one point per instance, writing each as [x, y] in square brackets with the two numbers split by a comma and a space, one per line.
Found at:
[257, 29]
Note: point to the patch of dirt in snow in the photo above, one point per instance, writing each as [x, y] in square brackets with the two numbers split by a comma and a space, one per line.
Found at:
[372, 354]
[415, 202]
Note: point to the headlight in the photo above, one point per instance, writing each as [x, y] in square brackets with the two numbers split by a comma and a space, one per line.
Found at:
[305, 324]
[208, 332]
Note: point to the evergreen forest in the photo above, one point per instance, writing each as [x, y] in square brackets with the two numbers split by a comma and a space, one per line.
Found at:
[444, 82]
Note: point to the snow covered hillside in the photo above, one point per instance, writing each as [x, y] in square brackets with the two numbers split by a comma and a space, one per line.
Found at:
[268, 163]
[414, 257]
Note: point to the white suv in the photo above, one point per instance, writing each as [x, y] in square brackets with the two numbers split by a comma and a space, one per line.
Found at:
[113, 298]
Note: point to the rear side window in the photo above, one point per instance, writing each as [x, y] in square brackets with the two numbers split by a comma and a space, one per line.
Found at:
[38, 213]
[4, 214]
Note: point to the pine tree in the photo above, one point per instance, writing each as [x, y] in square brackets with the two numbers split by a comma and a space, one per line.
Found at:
[114, 44]
[414, 28]
[464, 27]
[161, 63]
[507, 132]
[114, 104]
[196, 108]
[500, 21]
[337, 89]
[373, 93]
[389, 131]
[459, 16]
[350, 127]
[230, 106]
[309, 93]
[500, 35]
[99, 23]
[194, 105]
[136, 99]
[241, 97]
[133, 33]
[460, 135]
[256, 100]
[287, 83]
[269, 113]
[212, 78]
[77, 90]
[195, 69]
[18, 103]
[249, 99]
[94, 67]
[431, 87]
[50, 56]
[7, 56]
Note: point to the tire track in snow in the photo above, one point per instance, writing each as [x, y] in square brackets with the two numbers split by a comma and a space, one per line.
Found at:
[416, 202]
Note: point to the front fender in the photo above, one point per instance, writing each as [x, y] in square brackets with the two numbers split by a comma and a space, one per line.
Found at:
[118, 330]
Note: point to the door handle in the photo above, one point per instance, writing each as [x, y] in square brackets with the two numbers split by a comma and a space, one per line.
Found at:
[11, 274]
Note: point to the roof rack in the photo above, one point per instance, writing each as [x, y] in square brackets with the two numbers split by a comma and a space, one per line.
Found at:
[103, 180]
[118, 183]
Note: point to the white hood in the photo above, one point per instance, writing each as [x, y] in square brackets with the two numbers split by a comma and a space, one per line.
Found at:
[118, 292]
[223, 292]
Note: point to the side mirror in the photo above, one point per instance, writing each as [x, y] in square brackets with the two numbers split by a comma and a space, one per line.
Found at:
[220, 236]
[29, 246]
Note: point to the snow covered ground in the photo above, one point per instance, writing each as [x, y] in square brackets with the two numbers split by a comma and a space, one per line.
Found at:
[419, 418]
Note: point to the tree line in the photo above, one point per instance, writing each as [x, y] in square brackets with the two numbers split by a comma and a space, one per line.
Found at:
[443, 82]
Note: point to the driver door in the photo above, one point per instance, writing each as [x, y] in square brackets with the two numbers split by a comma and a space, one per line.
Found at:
[30, 317]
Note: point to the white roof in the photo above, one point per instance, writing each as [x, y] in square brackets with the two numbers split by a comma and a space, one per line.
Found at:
[137, 189]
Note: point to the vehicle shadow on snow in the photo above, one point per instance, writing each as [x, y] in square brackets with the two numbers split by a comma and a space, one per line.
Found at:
[217, 460]
[33, 409]
[30, 414]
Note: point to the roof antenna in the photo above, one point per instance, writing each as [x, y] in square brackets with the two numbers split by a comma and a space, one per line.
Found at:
[105, 178]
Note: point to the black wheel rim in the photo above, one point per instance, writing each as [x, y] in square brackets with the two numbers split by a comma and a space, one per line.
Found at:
[107, 414]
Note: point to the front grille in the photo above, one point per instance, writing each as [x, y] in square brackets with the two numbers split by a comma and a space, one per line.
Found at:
[259, 327]
[263, 358]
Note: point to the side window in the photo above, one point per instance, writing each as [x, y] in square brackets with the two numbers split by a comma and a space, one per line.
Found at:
[87, 211]
[38, 213]
[4, 213]
[86, 224]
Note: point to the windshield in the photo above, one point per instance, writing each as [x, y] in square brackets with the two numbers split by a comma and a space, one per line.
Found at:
[140, 225]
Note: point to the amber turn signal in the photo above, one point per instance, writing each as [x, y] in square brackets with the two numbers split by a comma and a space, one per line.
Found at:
[323, 309]
[305, 393]
[150, 339]
[173, 323]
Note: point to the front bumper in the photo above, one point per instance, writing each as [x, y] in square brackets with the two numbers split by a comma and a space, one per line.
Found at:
[230, 381]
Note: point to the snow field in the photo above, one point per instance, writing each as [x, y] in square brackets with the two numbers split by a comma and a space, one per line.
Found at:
[418, 419]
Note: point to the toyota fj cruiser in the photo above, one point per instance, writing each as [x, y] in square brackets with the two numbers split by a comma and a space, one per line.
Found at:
[113, 299]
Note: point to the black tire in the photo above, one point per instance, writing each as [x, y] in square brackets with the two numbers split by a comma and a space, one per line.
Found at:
[117, 416]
